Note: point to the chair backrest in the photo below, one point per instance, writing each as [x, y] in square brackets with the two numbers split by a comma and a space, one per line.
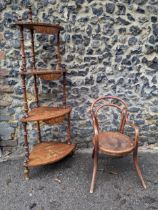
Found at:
[110, 101]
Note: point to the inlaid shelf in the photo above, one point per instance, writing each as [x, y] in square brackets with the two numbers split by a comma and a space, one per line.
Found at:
[38, 27]
[45, 152]
[49, 152]
[50, 115]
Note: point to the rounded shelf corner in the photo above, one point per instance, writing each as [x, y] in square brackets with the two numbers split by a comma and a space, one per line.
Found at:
[39, 27]
[46, 114]
[44, 74]
[49, 152]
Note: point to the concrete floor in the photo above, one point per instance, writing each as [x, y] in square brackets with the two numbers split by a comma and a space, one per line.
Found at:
[65, 185]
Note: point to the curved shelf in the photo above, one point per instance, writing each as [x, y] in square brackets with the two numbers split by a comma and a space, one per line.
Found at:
[44, 73]
[49, 115]
[41, 27]
[49, 152]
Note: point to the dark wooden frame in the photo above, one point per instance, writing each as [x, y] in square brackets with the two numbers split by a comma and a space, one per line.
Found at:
[49, 115]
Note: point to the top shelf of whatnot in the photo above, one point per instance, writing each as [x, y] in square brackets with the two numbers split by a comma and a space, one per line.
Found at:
[41, 27]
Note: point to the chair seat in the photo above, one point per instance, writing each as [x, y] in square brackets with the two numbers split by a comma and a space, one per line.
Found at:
[115, 143]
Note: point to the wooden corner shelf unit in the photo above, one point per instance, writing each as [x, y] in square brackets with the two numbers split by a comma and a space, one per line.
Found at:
[45, 152]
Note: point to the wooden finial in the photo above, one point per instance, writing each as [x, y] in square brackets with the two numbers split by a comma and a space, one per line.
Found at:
[30, 13]
[19, 18]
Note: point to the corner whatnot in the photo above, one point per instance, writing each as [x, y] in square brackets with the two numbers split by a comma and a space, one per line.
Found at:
[43, 152]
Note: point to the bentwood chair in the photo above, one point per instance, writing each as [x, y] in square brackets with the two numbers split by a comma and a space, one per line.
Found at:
[113, 143]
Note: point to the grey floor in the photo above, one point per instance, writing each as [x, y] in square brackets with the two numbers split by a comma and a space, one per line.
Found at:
[65, 185]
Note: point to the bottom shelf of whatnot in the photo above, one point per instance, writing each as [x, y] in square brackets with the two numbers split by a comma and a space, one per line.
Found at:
[49, 152]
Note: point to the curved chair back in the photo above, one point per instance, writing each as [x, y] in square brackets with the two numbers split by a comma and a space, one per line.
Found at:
[110, 101]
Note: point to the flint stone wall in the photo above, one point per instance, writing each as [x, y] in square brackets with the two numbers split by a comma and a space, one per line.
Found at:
[108, 47]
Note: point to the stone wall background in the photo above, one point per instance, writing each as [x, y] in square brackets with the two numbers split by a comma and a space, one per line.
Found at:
[109, 47]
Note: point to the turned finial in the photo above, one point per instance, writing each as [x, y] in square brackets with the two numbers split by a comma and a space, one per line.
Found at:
[19, 18]
[30, 13]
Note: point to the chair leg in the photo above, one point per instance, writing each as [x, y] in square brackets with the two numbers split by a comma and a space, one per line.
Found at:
[95, 165]
[135, 159]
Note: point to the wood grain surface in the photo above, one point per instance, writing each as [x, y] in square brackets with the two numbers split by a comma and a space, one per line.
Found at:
[44, 74]
[40, 27]
[45, 113]
[49, 152]
[114, 143]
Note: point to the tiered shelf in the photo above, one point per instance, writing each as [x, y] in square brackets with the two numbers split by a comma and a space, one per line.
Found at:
[46, 114]
[44, 152]
[41, 27]
[44, 73]
[49, 152]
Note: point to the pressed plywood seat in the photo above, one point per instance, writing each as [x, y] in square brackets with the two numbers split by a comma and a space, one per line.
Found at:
[110, 142]
[114, 143]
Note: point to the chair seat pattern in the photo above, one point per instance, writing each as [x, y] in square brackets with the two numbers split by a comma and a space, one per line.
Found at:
[115, 143]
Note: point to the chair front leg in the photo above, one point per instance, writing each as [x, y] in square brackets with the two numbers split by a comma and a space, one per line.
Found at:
[95, 166]
[135, 151]
[135, 160]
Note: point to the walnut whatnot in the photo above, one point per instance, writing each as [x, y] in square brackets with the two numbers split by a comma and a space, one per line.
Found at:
[44, 152]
